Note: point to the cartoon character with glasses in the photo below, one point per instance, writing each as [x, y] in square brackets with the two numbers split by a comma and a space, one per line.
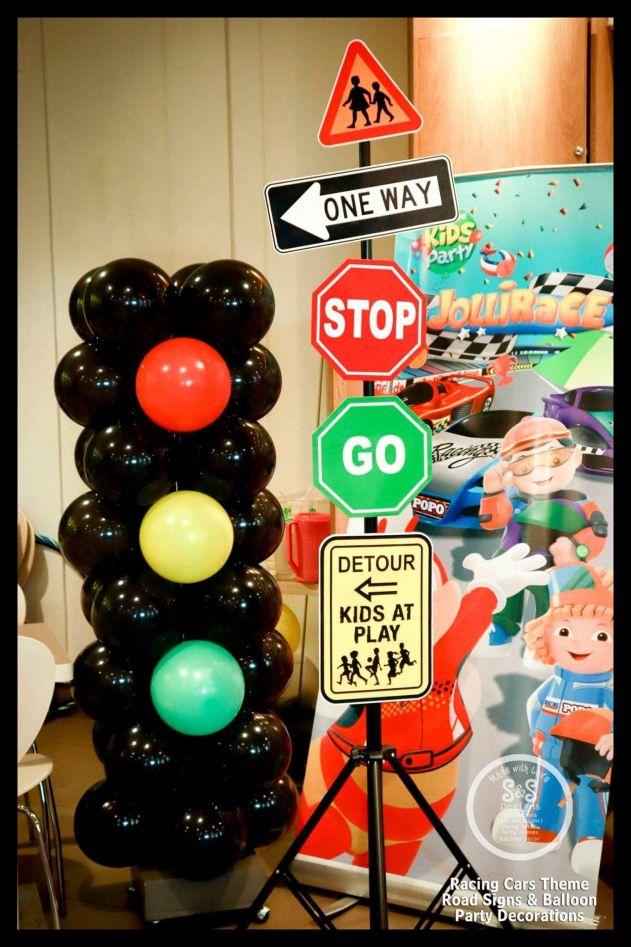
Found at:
[526, 493]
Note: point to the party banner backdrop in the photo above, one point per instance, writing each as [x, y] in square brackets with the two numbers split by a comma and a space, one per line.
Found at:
[513, 746]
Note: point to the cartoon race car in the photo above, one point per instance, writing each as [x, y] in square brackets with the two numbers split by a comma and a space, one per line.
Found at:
[460, 456]
[439, 401]
[588, 414]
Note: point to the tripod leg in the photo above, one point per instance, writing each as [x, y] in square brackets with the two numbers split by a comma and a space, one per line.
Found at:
[281, 870]
[440, 828]
[310, 906]
[429, 914]
[376, 853]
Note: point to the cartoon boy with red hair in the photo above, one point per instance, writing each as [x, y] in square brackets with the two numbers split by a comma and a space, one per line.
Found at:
[570, 715]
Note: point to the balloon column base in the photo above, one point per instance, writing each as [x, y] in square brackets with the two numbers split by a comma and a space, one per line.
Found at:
[163, 896]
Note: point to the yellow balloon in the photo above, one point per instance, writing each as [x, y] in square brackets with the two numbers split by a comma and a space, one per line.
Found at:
[289, 627]
[186, 536]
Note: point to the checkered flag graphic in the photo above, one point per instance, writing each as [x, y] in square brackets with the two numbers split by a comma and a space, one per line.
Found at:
[473, 349]
[560, 284]
[441, 424]
[432, 300]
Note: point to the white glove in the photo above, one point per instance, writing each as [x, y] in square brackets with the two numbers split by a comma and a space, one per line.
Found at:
[507, 574]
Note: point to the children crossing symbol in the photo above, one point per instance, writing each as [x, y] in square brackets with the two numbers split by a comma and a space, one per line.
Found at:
[366, 102]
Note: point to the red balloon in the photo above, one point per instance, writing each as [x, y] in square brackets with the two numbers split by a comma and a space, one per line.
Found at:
[183, 384]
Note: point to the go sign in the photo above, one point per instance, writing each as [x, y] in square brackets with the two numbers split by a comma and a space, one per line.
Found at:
[368, 319]
[371, 456]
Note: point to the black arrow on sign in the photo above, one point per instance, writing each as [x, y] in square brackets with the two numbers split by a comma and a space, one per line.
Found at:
[381, 586]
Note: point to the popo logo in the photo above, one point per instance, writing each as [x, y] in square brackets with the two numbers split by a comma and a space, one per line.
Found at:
[571, 706]
[557, 707]
[430, 506]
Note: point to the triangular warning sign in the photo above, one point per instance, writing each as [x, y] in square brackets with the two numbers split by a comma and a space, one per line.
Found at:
[366, 102]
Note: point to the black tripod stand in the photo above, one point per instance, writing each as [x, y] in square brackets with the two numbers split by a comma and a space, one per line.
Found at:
[373, 755]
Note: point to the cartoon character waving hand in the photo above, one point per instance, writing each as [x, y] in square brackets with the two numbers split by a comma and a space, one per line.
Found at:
[527, 494]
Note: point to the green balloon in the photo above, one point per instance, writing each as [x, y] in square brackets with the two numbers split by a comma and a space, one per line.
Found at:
[197, 688]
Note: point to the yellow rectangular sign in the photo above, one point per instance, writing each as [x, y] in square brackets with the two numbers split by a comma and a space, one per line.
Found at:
[375, 617]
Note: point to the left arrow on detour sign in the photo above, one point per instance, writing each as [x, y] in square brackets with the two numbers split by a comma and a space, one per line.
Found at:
[360, 203]
[375, 617]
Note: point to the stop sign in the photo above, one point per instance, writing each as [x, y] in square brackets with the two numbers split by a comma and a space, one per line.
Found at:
[368, 319]
[372, 455]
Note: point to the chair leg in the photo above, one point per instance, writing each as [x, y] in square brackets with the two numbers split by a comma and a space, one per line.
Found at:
[27, 800]
[27, 803]
[50, 884]
[49, 813]
[45, 823]
[56, 835]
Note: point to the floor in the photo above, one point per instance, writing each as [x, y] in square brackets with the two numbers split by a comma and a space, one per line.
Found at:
[98, 898]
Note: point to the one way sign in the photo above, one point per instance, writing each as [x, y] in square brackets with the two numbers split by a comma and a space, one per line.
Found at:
[361, 203]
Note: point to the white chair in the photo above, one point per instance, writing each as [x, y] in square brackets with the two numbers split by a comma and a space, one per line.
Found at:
[36, 682]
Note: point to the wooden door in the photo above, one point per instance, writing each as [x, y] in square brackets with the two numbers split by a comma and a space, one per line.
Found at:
[501, 92]
[601, 89]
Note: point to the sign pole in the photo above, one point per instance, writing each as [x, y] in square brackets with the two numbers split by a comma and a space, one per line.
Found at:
[376, 840]
[360, 204]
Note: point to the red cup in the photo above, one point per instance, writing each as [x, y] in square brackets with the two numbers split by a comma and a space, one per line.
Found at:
[304, 534]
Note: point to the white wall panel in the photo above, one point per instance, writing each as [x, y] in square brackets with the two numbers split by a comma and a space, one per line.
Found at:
[154, 138]
[39, 471]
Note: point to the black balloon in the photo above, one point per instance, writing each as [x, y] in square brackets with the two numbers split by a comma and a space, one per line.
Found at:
[238, 604]
[144, 755]
[177, 280]
[227, 304]
[254, 749]
[94, 529]
[170, 800]
[75, 306]
[108, 688]
[202, 840]
[270, 811]
[108, 570]
[79, 450]
[102, 733]
[125, 303]
[91, 584]
[231, 458]
[256, 382]
[111, 826]
[129, 460]
[91, 387]
[267, 666]
[258, 525]
[138, 613]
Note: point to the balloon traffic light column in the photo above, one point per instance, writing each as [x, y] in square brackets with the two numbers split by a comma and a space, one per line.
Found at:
[169, 384]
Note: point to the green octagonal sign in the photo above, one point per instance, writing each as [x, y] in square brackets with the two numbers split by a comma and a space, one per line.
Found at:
[371, 456]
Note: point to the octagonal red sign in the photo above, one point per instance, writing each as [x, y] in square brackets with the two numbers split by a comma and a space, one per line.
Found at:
[368, 320]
